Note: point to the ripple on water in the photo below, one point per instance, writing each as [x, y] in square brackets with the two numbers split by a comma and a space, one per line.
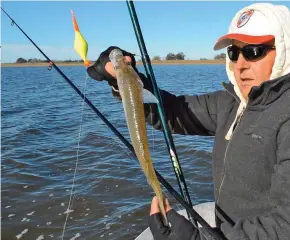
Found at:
[111, 197]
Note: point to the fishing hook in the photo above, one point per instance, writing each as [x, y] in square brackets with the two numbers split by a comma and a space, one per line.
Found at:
[12, 23]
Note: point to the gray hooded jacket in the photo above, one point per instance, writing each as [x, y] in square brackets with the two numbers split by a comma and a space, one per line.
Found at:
[251, 171]
[251, 154]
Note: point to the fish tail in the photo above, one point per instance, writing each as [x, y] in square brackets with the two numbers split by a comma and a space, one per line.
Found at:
[158, 191]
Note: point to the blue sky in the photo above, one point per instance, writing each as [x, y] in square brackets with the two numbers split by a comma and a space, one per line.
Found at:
[189, 27]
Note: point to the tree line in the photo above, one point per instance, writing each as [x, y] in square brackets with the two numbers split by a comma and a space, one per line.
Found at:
[181, 56]
[37, 60]
[169, 56]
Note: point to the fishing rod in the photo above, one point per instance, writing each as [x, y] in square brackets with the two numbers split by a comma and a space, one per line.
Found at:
[169, 188]
[168, 137]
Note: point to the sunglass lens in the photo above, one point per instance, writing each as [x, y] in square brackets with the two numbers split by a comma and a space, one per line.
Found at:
[233, 53]
[253, 52]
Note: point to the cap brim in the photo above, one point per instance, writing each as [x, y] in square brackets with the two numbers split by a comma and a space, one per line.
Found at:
[226, 40]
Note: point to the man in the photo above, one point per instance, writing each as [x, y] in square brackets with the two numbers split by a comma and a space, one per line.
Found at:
[251, 124]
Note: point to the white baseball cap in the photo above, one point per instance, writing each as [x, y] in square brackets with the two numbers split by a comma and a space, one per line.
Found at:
[251, 27]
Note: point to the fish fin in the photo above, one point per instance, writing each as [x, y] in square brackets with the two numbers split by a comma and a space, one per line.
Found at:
[148, 97]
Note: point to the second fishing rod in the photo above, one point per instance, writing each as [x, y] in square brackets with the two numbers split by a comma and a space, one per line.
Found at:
[167, 135]
[170, 189]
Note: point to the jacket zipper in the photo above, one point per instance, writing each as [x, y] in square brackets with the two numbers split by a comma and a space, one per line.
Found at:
[225, 158]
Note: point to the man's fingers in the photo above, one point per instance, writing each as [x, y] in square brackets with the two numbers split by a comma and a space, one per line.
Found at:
[128, 59]
[154, 206]
[167, 205]
[110, 69]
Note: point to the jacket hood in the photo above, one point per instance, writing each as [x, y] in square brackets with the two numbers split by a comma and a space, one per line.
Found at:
[279, 16]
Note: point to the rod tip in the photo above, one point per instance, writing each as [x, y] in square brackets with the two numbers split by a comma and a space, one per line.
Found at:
[72, 12]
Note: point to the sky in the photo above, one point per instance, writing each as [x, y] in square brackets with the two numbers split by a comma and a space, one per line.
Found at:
[168, 26]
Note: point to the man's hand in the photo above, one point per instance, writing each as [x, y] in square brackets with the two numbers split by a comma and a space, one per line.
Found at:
[181, 228]
[110, 69]
[103, 69]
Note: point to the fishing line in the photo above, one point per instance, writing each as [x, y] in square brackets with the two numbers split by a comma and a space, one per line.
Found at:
[125, 149]
[170, 189]
[70, 203]
[161, 112]
[114, 142]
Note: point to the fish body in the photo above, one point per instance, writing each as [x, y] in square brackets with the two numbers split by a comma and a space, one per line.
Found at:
[133, 96]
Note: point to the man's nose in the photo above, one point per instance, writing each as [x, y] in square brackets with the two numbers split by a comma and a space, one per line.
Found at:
[242, 63]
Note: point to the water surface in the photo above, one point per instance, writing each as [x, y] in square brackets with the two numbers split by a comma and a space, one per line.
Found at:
[49, 135]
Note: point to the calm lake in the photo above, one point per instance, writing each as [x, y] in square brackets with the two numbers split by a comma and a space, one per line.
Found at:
[49, 136]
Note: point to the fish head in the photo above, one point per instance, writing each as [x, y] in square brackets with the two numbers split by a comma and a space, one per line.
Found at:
[117, 58]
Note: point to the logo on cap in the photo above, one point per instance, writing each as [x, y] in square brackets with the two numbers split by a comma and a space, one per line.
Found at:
[244, 18]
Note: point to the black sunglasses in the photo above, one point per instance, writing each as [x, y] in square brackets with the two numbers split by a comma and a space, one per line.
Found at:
[250, 52]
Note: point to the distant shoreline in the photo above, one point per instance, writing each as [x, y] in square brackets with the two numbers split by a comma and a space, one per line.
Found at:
[164, 62]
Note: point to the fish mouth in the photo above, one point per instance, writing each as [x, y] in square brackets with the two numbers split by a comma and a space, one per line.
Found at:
[115, 55]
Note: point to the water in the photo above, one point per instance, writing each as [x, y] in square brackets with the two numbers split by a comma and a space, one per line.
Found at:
[43, 120]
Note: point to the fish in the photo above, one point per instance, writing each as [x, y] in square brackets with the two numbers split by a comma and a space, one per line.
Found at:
[133, 95]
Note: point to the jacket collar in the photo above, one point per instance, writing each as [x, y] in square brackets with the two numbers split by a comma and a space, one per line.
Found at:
[264, 94]
[229, 87]
[269, 91]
